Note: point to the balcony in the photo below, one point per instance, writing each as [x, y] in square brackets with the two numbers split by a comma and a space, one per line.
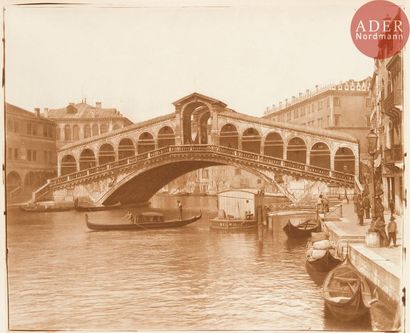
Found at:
[394, 154]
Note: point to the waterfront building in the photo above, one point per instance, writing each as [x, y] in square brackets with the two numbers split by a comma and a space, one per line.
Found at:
[343, 107]
[386, 94]
[78, 121]
[30, 151]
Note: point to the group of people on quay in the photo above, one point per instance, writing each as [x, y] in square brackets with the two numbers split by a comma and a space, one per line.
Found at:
[362, 206]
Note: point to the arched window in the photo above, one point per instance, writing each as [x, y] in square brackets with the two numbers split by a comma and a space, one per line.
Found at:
[95, 130]
[320, 155]
[296, 150]
[87, 159]
[273, 145]
[103, 128]
[166, 137]
[229, 137]
[68, 165]
[251, 141]
[87, 131]
[345, 160]
[145, 143]
[126, 148]
[106, 154]
[67, 133]
[76, 132]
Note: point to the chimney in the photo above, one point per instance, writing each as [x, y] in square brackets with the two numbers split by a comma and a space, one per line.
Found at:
[46, 112]
[293, 98]
[280, 104]
[37, 112]
[98, 105]
[300, 95]
[286, 102]
[307, 91]
[317, 87]
[273, 106]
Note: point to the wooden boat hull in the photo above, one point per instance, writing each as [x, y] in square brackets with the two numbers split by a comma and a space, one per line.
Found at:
[351, 300]
[297, 232]
[44, 209]
[226, 224]
[141, 226]
[324, 264]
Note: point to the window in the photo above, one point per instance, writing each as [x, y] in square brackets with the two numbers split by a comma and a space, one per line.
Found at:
[313, 107]
[295, 113]
[320, 105]
[368, 122]
[205, 174]
[45, 156]
[336, 101]
[328, 121]
[10, 125]
[259, 181]
[288, 116]
[328, 101]
[16, 153]
[34, 155]
[34, 128]
[10, 154]
[29, 128]
[28, 155]
[320, 122]
[303, 112]
[16, 126]
[337, 119]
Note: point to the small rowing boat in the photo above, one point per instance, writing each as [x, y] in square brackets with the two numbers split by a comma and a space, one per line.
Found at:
[321, 256]
[143, 221]
[301, 230]
[346, 292]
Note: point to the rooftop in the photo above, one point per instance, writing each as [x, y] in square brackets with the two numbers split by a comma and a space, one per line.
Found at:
[347, 86]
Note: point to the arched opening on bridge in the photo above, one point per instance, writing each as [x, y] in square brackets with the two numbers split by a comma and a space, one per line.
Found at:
[345, 160]
[106, 154]
[273, 145]
[145, 143]
[166, 137]
[95, 129]
[87, 159]
[296, 150]
[68, 165]
[13, 181]
[87, 131]
[116, 126]
[195, 123]
[76, 132]
[251, 141]
[125, 148]
[229, 136]
[320, 155]
[67, 133]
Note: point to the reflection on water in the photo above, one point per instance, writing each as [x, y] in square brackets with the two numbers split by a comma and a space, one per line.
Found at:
[63, 276]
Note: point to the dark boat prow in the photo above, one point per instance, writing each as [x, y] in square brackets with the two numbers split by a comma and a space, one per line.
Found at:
[302, 230]
[145, 221]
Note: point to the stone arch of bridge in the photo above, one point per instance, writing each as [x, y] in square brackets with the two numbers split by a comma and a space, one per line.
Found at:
[165, 137]
[345, 160]
[141, 185]
[251, 140]
[296, 150]
[273, 145]
[145, 142]
[229, 136]
[68, 165]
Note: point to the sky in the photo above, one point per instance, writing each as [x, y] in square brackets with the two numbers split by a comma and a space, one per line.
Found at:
[140, 59]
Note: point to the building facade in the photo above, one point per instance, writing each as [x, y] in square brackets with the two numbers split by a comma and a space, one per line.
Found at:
[345, 107]
[386, 94]
[78, 121]
[31, 156]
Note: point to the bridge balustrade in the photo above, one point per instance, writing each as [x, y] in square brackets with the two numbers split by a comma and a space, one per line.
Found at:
[318, 170]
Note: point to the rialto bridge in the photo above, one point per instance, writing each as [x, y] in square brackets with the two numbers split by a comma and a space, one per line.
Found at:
[131, 164]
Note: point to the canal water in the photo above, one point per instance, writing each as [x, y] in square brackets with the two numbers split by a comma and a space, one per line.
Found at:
[63, 276]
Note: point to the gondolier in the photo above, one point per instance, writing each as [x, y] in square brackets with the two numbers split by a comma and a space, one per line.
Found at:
[180, 209]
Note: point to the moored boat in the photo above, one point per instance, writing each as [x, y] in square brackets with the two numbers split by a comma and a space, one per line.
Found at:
[143, 221]
[232, 224]
[301, 230]
[45, 207]
[346, 292]
[87, 207]
[321, 255]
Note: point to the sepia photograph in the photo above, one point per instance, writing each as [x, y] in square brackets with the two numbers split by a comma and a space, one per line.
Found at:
[210, 165]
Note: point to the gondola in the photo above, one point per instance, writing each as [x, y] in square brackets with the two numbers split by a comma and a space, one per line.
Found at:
[302, 230]
[34, 208]
[144, 221]
[346, 292]
[325, 263]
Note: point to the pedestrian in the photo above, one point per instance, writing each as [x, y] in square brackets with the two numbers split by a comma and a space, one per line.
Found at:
[360, 210]
[355, 202]
[325, 204]
[320, 204]
[392, 231]
[180, 209]
[129, 217]
[366, 206]
[380, 227]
